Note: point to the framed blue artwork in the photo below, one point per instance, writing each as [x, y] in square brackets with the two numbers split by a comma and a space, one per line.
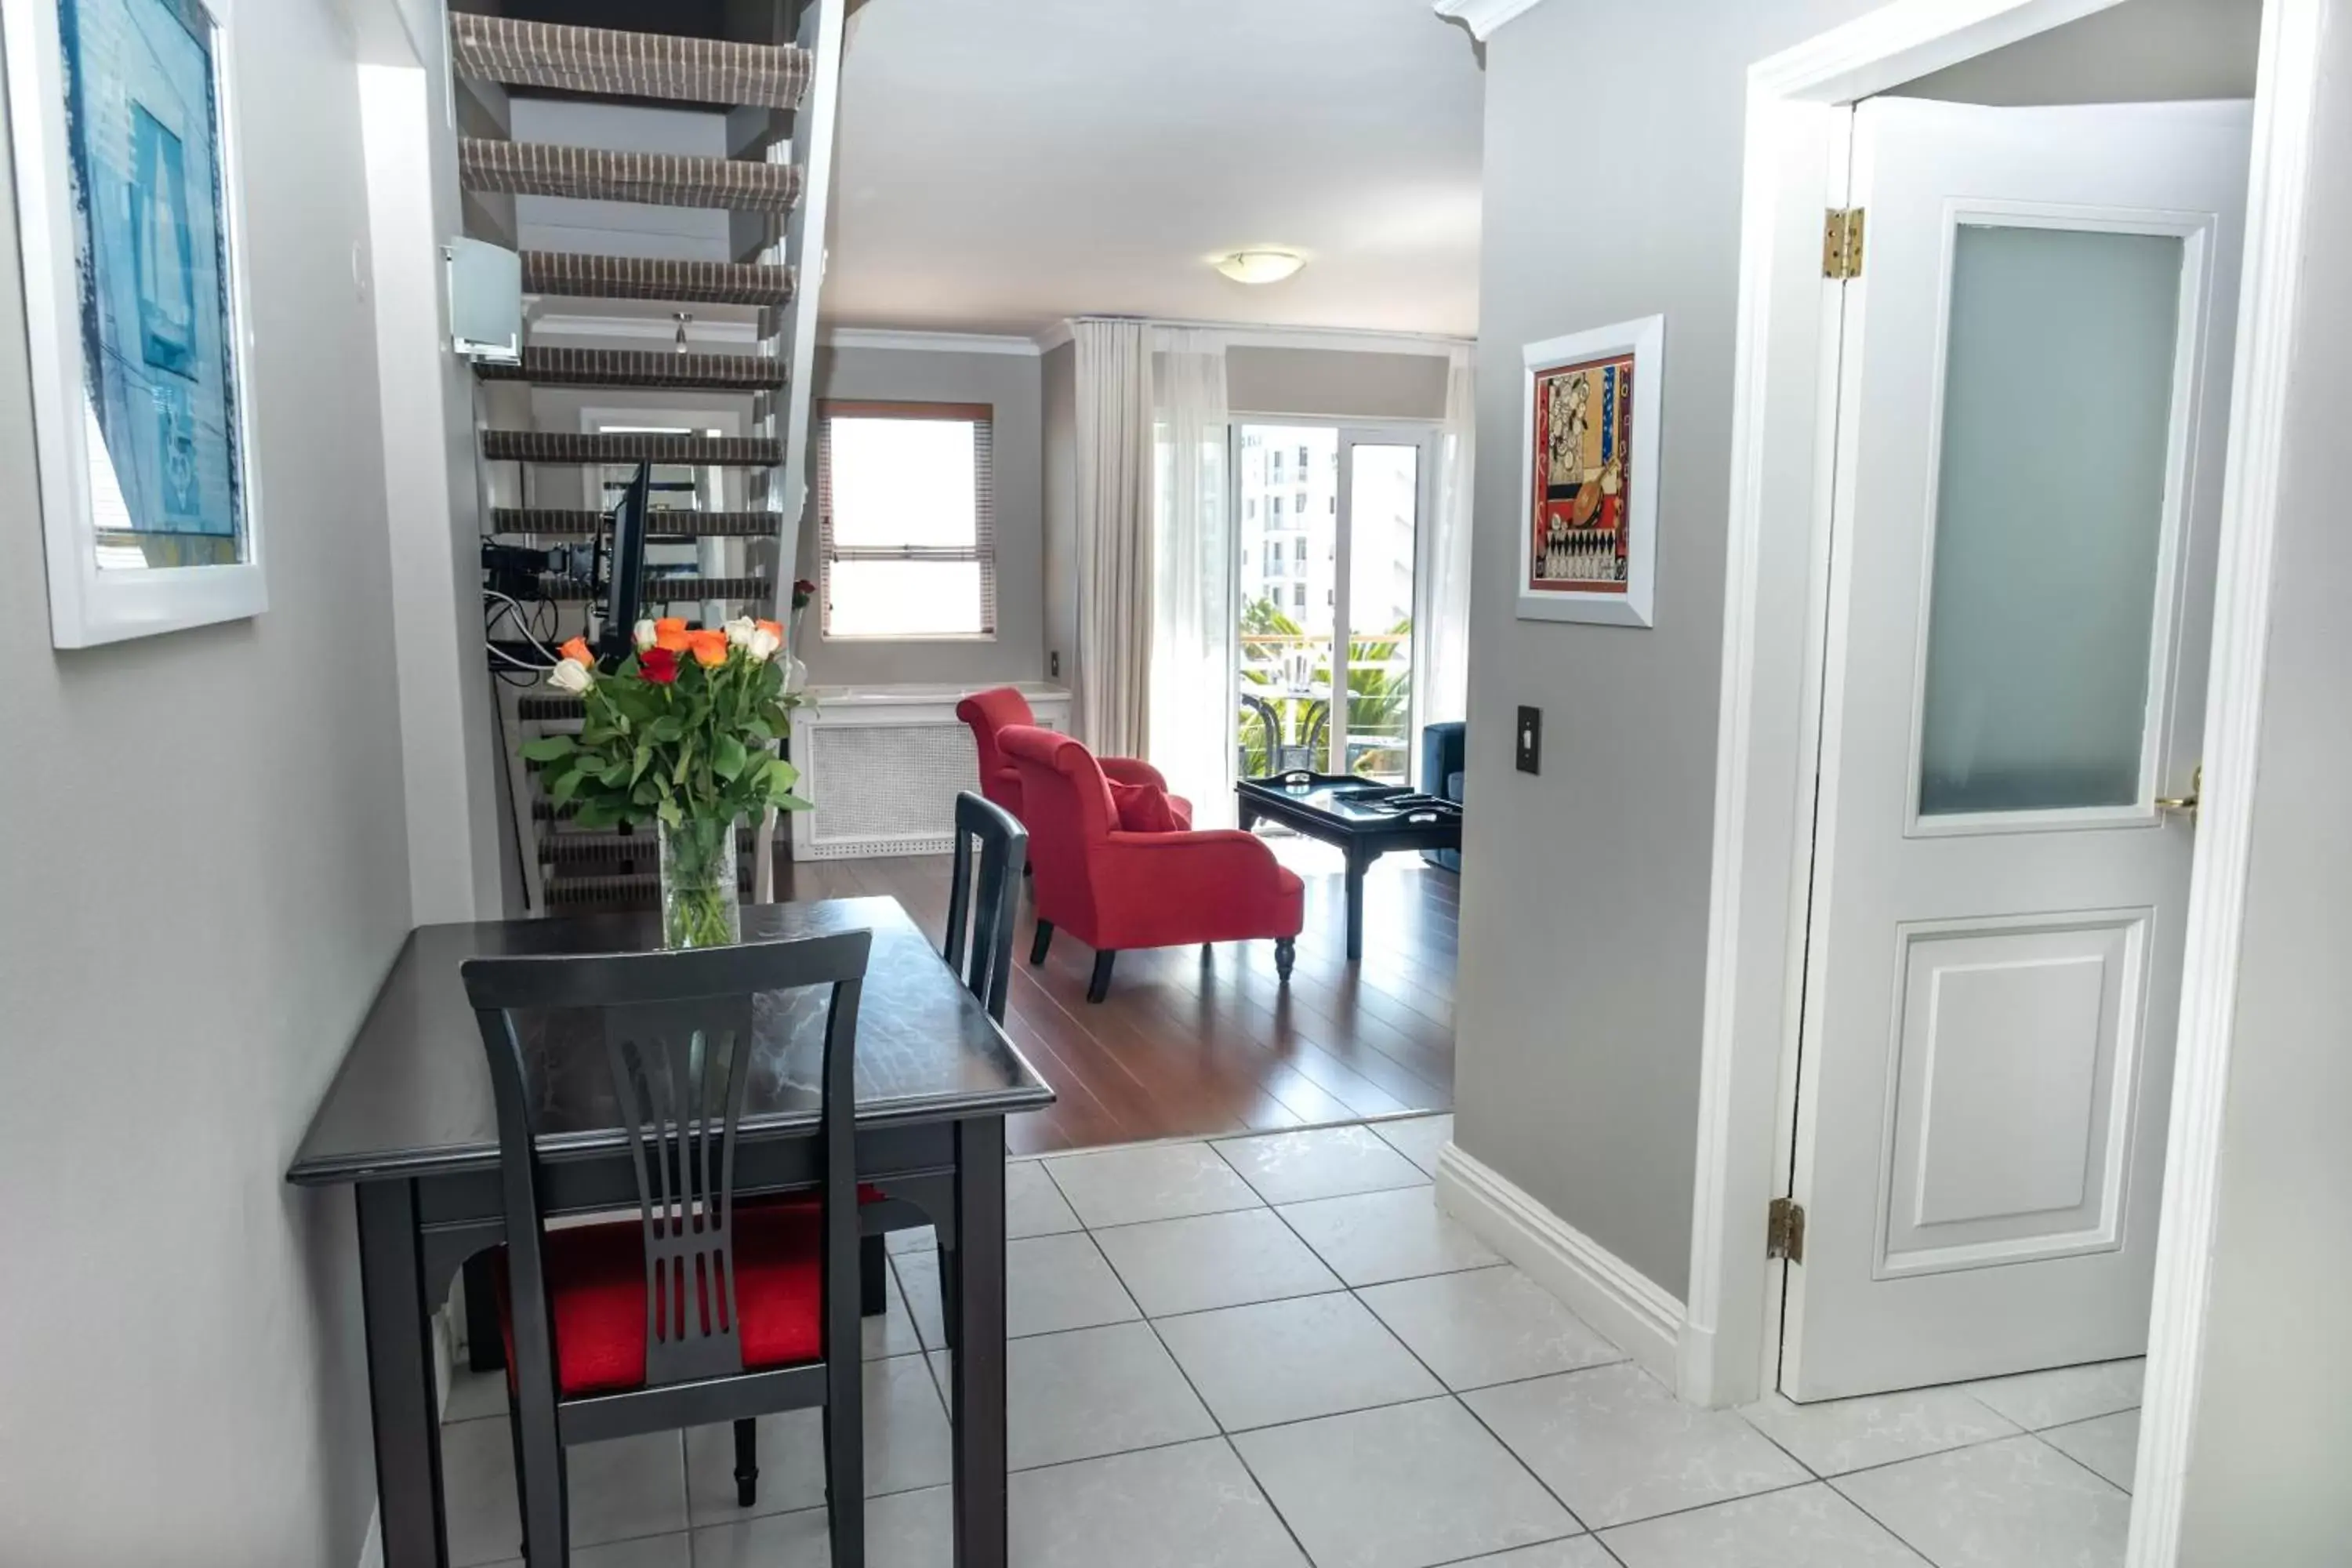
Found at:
[129, 227]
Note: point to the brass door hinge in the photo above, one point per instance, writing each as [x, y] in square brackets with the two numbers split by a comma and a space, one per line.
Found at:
[1842, 242]
[1784, 1230]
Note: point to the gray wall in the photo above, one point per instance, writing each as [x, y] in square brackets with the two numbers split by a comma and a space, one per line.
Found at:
[1346, 383]
[1012, 384]
[1060, 368]
[205, 860]
[1584, 893]
[2274, 1432]
[2144, 51]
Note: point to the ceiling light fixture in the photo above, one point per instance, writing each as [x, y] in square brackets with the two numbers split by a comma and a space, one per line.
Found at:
[1260, 266]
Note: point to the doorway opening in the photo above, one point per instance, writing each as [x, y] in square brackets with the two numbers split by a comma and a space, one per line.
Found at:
[1892, 953]
[1329, 587]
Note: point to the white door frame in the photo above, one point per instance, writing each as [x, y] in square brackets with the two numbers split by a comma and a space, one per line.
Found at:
[1774, 603]
[1421, 434]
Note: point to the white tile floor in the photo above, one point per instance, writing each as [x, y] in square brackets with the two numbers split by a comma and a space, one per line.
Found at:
[1273, 1350]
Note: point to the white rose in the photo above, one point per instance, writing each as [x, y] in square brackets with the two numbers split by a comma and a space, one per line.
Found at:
[740, 630]
[764, 644]
[643, 635]
[569, 678]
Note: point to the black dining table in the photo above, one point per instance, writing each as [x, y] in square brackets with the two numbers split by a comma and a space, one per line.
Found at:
[408, 1125]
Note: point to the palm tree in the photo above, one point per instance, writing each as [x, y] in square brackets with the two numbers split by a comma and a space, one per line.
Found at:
[1379, 696]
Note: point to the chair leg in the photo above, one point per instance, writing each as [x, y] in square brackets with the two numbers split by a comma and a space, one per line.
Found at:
[1285, 954]
[1044, 940]
[950, 1301]
[542, 1483]
[1099, 986]
[873, 1277]
[747, 1462]
[514, 1438]
[845, 1462]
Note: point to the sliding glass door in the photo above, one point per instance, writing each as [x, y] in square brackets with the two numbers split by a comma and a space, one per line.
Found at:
[1328, 583]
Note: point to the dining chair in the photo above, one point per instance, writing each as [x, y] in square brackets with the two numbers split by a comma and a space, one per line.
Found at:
[979, 947]
[984, 961]
[697, 1311]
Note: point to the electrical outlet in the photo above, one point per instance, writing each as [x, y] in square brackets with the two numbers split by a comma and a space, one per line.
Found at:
[1530, 743]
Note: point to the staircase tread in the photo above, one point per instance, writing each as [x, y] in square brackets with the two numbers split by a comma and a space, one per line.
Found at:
[601, 173]
[639, 367]
[631, 446]
[581, 275]
[614, 62]
[673, 524]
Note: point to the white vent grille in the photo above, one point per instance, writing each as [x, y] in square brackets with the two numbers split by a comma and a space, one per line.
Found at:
[886, 789]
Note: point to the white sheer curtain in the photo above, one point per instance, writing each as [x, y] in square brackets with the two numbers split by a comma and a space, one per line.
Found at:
[1446, 690]
[1115, 564]
[1192, 603]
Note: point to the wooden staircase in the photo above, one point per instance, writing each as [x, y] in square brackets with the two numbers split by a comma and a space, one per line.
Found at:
[781, 180]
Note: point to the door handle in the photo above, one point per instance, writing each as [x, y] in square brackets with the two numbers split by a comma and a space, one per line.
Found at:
[2186, 802]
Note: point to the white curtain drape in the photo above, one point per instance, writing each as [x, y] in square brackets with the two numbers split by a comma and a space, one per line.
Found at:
[1115, 563]
[1191, 724]
[1445, 691]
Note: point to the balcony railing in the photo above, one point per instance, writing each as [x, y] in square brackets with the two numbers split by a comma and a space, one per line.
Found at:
[1283, 719]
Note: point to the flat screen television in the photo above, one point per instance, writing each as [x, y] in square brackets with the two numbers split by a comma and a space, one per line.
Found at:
[623, 582]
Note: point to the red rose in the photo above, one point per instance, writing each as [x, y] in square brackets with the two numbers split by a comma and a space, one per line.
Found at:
[658, 664]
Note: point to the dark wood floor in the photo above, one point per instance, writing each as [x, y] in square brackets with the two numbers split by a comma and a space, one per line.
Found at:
[1194, 1042]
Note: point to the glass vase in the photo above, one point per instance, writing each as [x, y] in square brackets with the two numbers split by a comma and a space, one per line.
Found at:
[699, 904]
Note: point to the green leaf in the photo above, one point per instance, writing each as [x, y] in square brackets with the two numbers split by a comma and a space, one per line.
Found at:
[638, 761]
[728, 757]
[670, 813]
[548, 748]
[566, 784]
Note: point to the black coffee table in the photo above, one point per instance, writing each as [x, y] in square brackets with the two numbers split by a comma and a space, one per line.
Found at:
[1366, 819]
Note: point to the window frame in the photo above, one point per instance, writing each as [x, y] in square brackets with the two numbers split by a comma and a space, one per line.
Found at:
[981, 416]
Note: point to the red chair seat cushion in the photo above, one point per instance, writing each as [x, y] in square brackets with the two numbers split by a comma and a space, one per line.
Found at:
[596, 1281]
[1143, 809]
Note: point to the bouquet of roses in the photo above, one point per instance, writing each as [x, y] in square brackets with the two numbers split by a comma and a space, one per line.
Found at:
[681, 731]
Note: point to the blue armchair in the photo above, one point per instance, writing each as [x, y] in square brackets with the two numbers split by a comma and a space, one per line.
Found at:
[1443, 749]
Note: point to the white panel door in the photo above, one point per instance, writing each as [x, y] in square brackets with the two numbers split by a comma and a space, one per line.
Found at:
[2033, 390]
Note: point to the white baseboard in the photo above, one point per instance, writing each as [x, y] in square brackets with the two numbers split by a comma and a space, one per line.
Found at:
[372, 1548]
[1598, 1285]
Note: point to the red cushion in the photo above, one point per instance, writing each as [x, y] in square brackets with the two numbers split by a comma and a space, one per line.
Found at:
[1142, 808]
[596, 1279]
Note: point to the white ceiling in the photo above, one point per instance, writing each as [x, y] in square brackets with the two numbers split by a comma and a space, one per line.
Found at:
[1005, 163]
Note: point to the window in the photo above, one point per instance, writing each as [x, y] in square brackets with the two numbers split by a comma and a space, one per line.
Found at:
[1277, 465]
[1274, 552]
[1275, 507]
[907, 519]
[1332, 505]
[1302, 460]
[1299, 596]
[1301, 507]
[1249, 507]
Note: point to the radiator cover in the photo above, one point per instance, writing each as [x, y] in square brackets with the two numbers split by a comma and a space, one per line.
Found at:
[881, 766]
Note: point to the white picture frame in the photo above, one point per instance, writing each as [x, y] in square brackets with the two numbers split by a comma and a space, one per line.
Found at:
[1593, 557]
[110, 584]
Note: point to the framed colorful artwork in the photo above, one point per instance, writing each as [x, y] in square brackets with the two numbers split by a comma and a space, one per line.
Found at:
[1588, 475]
[128, 197]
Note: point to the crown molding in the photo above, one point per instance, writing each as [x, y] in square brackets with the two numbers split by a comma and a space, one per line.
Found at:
[591, 326]
[928, 343]
[1482, 16]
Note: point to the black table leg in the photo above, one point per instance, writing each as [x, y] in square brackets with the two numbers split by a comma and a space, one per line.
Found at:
[401, 1390]
[1356, 861]
[978, 1269]
[486, 1348]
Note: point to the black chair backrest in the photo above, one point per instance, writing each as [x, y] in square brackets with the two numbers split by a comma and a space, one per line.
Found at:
[984, 961]
[677, 1033]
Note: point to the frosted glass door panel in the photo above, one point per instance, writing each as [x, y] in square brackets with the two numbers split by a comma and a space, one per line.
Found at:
[2049, 518]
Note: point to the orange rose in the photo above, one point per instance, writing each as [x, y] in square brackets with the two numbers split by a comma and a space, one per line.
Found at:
[772, 629]
[671, 635]
[710, 648]
[576, 650]
[670, 623]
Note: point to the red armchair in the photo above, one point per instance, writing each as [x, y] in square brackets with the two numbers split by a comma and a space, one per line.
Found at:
[1114, 889]
[1000, 706]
